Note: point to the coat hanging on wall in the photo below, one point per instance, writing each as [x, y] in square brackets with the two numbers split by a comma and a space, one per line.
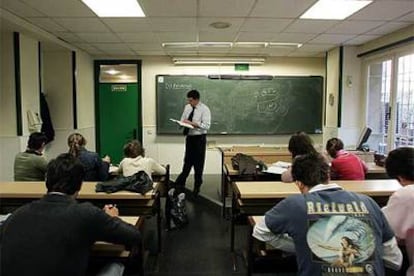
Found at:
[47, 126]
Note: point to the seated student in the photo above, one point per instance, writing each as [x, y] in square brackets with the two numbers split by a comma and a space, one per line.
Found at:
[400, 207]
[344, 165]
[31, 164]
[96, 169]
[300, 143]
[53, 235]
[135, 161]
[332, 230]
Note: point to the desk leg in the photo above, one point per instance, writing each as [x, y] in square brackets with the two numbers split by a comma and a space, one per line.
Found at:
[158, 206]
[250, 252]
[223, 191]
[232, 222]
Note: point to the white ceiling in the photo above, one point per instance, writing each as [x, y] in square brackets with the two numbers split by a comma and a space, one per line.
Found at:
[189, 20]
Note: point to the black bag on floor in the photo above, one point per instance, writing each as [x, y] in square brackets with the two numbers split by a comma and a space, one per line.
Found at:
[175, 209]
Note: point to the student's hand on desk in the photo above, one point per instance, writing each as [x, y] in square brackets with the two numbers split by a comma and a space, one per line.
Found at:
[111, 210]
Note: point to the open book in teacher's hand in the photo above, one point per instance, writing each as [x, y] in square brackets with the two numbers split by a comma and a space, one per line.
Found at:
[181, 123]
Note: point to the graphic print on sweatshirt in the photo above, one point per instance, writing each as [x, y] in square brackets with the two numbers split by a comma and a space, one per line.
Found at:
[342, 241]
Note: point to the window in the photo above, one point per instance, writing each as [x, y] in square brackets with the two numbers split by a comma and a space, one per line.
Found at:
[390, 102]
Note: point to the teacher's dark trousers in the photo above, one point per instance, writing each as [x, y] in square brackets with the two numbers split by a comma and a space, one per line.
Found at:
[195, 153]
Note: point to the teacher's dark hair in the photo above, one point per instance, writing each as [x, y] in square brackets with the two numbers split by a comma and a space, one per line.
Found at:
[193, 94]
[64, 174]
[310, 169]
[400, 163]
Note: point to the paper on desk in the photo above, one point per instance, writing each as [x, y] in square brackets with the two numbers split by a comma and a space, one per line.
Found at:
[113, 169]
[181, 123]
[282, 164]
[275, 170]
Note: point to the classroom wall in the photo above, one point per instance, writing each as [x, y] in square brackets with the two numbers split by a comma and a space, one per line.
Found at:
[29, 78]
[352, 100]
[7, 87]
[158, 146]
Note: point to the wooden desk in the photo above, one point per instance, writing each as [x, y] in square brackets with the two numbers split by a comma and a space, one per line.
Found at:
[133, 259]
[375, 171]
[266, 154]
[15, 194]
[255, 198]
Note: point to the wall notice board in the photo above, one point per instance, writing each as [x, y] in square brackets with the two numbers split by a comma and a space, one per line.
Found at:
[244, 104]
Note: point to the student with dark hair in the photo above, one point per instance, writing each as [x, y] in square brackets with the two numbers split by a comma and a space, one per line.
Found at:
[53, 235]
[344, 165]
[136, 161]
[400, 207]
[318, 219]
[198, 115]
[96, 169]
[299, 143]
[30, 165]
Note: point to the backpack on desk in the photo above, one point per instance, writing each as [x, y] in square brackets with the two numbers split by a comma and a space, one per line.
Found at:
[246, 164]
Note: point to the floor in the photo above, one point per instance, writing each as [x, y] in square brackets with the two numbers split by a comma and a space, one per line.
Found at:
[203, 246]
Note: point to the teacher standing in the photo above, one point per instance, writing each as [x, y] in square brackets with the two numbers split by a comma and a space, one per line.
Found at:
[198, 115]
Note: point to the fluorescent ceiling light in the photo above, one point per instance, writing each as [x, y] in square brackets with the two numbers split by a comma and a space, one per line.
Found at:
[180, 44]
[250, 44]
[217, 60]
[115, 8]
[216, 44]
[197, 44]
[334, 9]
[284, 45]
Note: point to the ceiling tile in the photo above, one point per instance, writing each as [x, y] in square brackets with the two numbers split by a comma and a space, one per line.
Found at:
[110, 46]
[64, 8]
[145, 46]
[315, 47]
[228, 8]
[68, 37]
[217, 36]
[281, 8]
[85, 46]
[307, 54]
[310, 26]
[203, 23]
[138, 37]
[47, 24]
[354, 27]
[388, 28]
[177, 36]
[331, 38]
[358, 40]
[254, 37]
[127, 25]
[98, 37]
[384, 10]
[250, 51]
[120, 52]
[292, 37]
[279, 52]
[19, 8]
[150, 53]
[169, 8]
[84, 25]
[265, 25]
[173, 24]
[406, 18]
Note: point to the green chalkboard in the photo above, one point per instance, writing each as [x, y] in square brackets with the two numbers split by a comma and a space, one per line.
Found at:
[244, 104]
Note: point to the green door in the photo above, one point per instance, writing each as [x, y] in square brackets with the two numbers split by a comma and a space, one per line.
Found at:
[118, 117]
